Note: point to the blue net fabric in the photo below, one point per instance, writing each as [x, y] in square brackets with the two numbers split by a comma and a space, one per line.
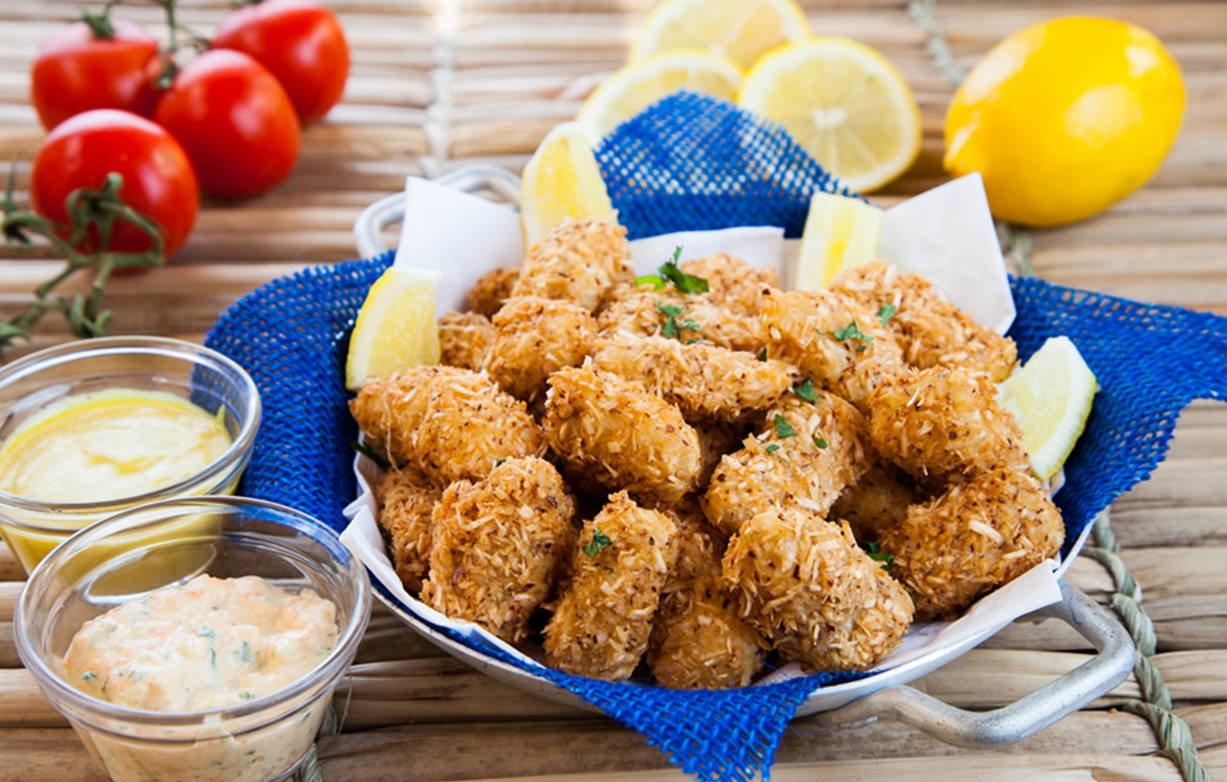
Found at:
[691, 163]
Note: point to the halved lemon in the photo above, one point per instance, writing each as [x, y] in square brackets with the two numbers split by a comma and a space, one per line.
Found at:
[396, 327]
[628, 91]
[1051, 398]
[840, 233]
[741, 30]
[561, 180]
[844, 103]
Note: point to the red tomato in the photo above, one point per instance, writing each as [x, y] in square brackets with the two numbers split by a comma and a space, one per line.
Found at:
[158, 178]
[300, 42]
[235, 121]
[76, 71]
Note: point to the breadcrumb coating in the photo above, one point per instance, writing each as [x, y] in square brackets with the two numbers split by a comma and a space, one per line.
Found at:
[696, 316]
[450, 423]
[930, 329]
[604, 616]
[943, 423]
[620, 436]
[534, 337]
[491, 291]
[833, 339]
[465, 339]
[732, 282]
[579, 261]
[975, 537]
[821, 601]
[406, 503]
[704, 381]
[877, 501]
[826, 450]
[500, 545]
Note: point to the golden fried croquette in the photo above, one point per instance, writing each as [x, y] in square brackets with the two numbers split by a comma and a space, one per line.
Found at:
[732, 282]
[813, 593]
[704, 381]
[604, 616]
[534, 337]
[688, 317]
[406, 502]
[832, 338]
[488, 294]
[807, 453]
[465, 339]
[975, 537]
[620, 436]
[930, 329]
[450, 423]
[943, 423]
[579, 261]
[500, 545]
[877, 501]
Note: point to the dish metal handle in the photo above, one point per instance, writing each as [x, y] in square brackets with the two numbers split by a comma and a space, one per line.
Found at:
[1026, 716]
[390, 210]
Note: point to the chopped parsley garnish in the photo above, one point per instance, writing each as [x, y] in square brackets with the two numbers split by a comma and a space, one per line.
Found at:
[669, 271]
[886, 312]
[599, 541]
[693, 325]
[89, 676]
[672, 312]
[782, 427]
[244, 653]
[773, 448]
[874, 549]
[819, 442]
[206, 632]
[762, 354]
[853, 331]
[499, 462]
[805, 390]
[693, 340]
[370, 453]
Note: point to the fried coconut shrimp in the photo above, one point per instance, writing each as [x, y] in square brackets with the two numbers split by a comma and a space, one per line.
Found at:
[807, 454]
[618, 435]
[975, 537]
[732, 282]
[406, 504]
[877, 502]
[704, 381]
[930, 329]
[696, 316]
[450, 423]
[820, 600]
[943, 423]
[488, 294]
[535, 337]
[604, 616]
[500, 545]
[465, 339]
[833, 339]
[579, 261]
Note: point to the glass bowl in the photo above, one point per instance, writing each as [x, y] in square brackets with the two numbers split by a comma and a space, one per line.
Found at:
[204, 377]
[260, 739]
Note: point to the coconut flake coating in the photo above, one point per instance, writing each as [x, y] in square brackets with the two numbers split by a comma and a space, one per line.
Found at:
[579, 261]
[464, 340]
[500, 545]
[877, 501]
[731, 282]
[407, 503]
[489, 293]
[821, 601]
[534, 337]
[977, 536]
[604, 616]
[645, 312]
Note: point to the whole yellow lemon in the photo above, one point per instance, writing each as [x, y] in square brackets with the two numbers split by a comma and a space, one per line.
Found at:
[1065, 118]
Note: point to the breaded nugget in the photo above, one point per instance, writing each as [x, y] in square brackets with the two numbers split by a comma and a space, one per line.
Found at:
[604, 617]
[489, 293]
[943, 423]
[465, 339]
[644, 312]
[406, 503]
[930, 329]
[535, 337]
[704, 381]
[450, 423]
[877, 501]
[820, 600]
[807, 453]
[833, 339]
[975, 537]
[619, 435]
[579, 261]
[500, 545]
[732, 282]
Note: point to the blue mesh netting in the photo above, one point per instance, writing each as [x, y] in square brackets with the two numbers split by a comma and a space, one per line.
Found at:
[690, 163]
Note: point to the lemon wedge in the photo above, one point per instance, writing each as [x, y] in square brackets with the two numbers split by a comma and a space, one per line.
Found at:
[396, 327]
[561, 180]
[631, 89]
[741, 30]
[1050, 397]
[840, 233]
[844, 103]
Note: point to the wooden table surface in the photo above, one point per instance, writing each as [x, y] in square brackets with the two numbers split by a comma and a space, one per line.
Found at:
[435, 85]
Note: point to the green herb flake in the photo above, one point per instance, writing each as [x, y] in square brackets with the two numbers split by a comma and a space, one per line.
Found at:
[885, 312]
[599, 541]
[244, 653]
[673, 310]
[499, 462]
[654, 280]
[782, 427]
[774, 448]
[213, 658]
[693, 325]
[853, 331]
[886, 559]
[685, 283]
[370, 453]
[206, 632]
[805, 390]
[89, 676]
[762, 354]
[819, 442]
[670, 329]
[247, 695]
[693, 340]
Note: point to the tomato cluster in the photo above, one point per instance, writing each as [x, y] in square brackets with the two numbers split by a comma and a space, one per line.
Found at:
[227, 120]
